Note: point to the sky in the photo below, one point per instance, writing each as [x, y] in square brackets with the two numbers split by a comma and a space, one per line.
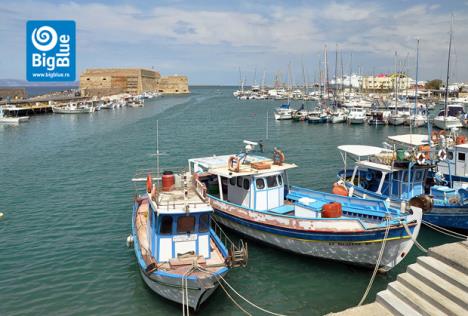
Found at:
[210, 40]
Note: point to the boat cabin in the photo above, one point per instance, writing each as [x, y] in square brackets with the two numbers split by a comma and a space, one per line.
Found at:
[258, 184]
[178, 223]
[455, 166]
[377, 173]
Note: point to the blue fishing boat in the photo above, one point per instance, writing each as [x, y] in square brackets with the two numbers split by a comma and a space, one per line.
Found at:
[253, 197]
[177, 245]
[401, 177]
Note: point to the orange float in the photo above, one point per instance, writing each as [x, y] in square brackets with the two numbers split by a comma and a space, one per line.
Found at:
[339, 189]
[332, 210]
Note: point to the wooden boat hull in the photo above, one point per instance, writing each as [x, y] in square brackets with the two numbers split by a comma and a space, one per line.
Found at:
[169, 287]
[353, 247]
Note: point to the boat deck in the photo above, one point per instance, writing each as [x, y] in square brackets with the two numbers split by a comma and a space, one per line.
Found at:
[181, 264]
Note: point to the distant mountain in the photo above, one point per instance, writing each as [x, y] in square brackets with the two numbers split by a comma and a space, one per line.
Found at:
[24, 83]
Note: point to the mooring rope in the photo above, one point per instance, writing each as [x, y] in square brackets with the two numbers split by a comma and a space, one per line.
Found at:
[377, 265]
[445, 231]
[405, 225]
[219, 278]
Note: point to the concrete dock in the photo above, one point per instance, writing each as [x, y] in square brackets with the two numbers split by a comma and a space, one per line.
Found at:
[436, 284]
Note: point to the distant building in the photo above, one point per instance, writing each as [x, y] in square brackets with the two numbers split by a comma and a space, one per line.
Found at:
[386, 83]
[173, 84]
[12, 93]
[109, 81]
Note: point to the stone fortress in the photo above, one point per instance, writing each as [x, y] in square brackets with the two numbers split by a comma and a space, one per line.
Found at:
[109, 81]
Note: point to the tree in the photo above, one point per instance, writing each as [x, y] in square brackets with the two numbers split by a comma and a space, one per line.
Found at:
[434, 84]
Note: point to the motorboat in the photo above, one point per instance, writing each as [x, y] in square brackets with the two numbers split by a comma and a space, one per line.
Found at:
[177, 244]
[254, 198]
[356, 115]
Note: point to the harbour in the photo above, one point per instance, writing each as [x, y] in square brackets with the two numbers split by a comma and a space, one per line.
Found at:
[234, 158]
[89, 162]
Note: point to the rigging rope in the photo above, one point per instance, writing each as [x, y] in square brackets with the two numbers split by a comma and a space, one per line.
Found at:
[445, 231]
[377, 265]
[405, 225]
[219, 278]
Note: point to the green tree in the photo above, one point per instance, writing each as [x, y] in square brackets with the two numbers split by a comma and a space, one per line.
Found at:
[434, 84]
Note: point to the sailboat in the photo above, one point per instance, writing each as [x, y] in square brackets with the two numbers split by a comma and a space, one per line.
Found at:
[447, 120]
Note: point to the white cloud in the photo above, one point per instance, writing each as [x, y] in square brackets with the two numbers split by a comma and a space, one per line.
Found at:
[252, 36]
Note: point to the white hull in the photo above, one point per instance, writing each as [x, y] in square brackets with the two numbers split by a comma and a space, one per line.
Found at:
[356, 120]
[396, 120]
[72, 111]
[283, 116]
[13, 120]
[448, 123]
[171, 288]
[338, 119]
[364, 254]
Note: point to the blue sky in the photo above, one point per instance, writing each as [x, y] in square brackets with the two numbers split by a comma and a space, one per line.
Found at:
[210, 40]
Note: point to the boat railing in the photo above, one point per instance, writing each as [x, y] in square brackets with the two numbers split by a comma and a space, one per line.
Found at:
[238, 253]
[200, 188]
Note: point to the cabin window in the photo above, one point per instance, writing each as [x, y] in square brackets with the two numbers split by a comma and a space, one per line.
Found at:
[461, 156]
[246, 184]
[239, 182]
[204, 224]
[450, 155]
[272, 182]
[166, 225]
[186, 224]
[260, 183]
[418, 175]
[280, 180]
[232, 181]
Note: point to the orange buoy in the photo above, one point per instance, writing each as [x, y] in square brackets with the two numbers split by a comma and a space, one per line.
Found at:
[461, 139]
[339, 189]
[149, 183]
[332, 210]
[168, 181]
[426, 149]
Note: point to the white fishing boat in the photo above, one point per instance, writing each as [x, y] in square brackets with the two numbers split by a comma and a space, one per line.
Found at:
[74, 108]
[11, 119]
[416, 120]
[135, 103]
[284, 112]
[449, 117]
[254, 198]
[338, 117]
[397, 118]
[180, 256]
[356, 115]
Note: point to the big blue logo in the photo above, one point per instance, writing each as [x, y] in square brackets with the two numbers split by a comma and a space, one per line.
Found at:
[50, 50]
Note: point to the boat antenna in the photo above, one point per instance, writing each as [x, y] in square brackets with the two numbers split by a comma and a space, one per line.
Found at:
[157, 149]
[448, 70]
[416, 90]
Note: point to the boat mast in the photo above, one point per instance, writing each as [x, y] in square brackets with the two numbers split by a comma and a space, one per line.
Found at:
[336, 74]
[395, 91]
[448, 71]
[326, 72]
[416, 88]
[157, 149]
[350, 72]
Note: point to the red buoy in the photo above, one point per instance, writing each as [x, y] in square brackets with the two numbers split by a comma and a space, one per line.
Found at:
[149, 183]
[168, 181]
[332, 210]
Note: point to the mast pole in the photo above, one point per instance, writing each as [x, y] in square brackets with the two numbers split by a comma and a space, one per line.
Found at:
[448, 71]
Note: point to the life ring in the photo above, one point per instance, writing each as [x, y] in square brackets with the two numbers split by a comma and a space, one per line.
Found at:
[234, 164]
[278, 157]
[149, 183]
[420, 158]
[442, 154]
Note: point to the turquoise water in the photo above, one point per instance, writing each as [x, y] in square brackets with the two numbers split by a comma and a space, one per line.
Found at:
[66, 193]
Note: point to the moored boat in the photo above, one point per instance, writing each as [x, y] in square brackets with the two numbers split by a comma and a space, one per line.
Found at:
[254, 198]
[284, 112]
[74, 108]
[177, 245]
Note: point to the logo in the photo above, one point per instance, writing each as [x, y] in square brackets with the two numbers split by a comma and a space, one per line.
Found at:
[50, 50]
